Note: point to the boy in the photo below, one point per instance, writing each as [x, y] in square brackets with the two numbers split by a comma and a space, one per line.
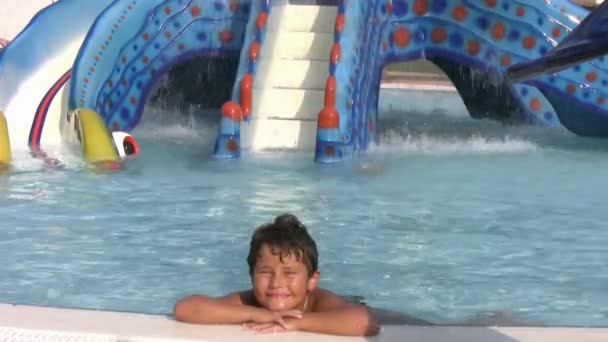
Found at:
[283, 263]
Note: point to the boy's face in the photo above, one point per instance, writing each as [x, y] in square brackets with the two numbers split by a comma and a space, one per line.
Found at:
[280, 286]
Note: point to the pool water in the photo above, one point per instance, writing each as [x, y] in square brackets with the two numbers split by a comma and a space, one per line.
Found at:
[448, 219]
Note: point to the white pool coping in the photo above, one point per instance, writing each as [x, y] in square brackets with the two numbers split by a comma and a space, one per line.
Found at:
[30, 323]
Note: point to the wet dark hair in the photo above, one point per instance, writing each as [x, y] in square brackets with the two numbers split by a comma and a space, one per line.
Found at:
[285, 236]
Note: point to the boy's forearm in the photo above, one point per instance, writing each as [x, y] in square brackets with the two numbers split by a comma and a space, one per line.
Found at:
[200, 310]
[352, 321]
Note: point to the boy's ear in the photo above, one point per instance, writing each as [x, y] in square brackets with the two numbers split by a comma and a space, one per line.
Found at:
[313, 281]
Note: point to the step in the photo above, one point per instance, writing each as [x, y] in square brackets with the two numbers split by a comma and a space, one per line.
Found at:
[304, 45]
[271, 134]
[291, 73]
[287, 103]
[301, 18]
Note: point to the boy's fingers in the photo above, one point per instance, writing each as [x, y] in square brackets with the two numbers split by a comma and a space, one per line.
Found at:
[293, 314]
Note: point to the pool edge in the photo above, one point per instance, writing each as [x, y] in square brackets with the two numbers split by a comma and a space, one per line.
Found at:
[23, 323]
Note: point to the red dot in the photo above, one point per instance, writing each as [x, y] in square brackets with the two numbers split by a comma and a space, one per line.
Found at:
[591, 76]
[439, 35]
[535, 104]
[168, 35]
[402, 37]
[195, 11]
[115, 126]
[330, 151]
[491, 3]
[226, 36]
[601, 100]
[520, 11]
[110, 104]
[124, 60]
[460, 13]
[529, 42]
[473, 47]
[570, 88]
[146, 36]
[168, 10]
[498, 32]
[505, 60]
[421, 7]
[234, 6]
[556, 32]
[133, 100]
[96, 58]
[181, 46]
[110, 83]
[144, 59]
[232, 145]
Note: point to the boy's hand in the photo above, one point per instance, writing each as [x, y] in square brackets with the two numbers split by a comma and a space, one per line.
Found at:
[268, 321]
[289, 324]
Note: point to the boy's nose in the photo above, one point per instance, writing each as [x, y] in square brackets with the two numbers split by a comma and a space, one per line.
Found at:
[276, 281]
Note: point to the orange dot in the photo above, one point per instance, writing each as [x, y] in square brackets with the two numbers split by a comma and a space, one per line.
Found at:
[556, 32]
[591, 76]
[260, 21]
[505, 60]
[570, 88]
[498, 32]
[329, 118]
[473, 47]
[232, 110]
[601, 100]
[421, 7]
[491, 3]
[460, 13]
[520, 11]
[439, 35]
[402, 37]
[232, 145]
[529, 42]
[226, 36]
[330, 151]
[336, 53]
[535, 104]
[340, 22]
[254, 51]
[195, 11]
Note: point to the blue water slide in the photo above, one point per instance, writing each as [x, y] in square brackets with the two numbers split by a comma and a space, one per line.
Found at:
[474, 43]
[133, 42]
[37, 61]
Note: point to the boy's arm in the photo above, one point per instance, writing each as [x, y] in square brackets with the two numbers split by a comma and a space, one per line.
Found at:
[230, 309]
[332, 314]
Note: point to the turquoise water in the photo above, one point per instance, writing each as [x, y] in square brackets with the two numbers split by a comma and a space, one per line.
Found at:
[448, 219]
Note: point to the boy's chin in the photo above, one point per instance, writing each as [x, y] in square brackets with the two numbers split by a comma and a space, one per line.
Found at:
[280, 305]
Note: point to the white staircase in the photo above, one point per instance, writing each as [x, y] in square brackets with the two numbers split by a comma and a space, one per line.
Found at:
[289, 85]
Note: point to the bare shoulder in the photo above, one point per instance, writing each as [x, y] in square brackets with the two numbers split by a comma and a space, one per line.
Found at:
[325, 300]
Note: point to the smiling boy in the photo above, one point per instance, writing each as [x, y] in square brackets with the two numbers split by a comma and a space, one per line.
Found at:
[283, 267]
